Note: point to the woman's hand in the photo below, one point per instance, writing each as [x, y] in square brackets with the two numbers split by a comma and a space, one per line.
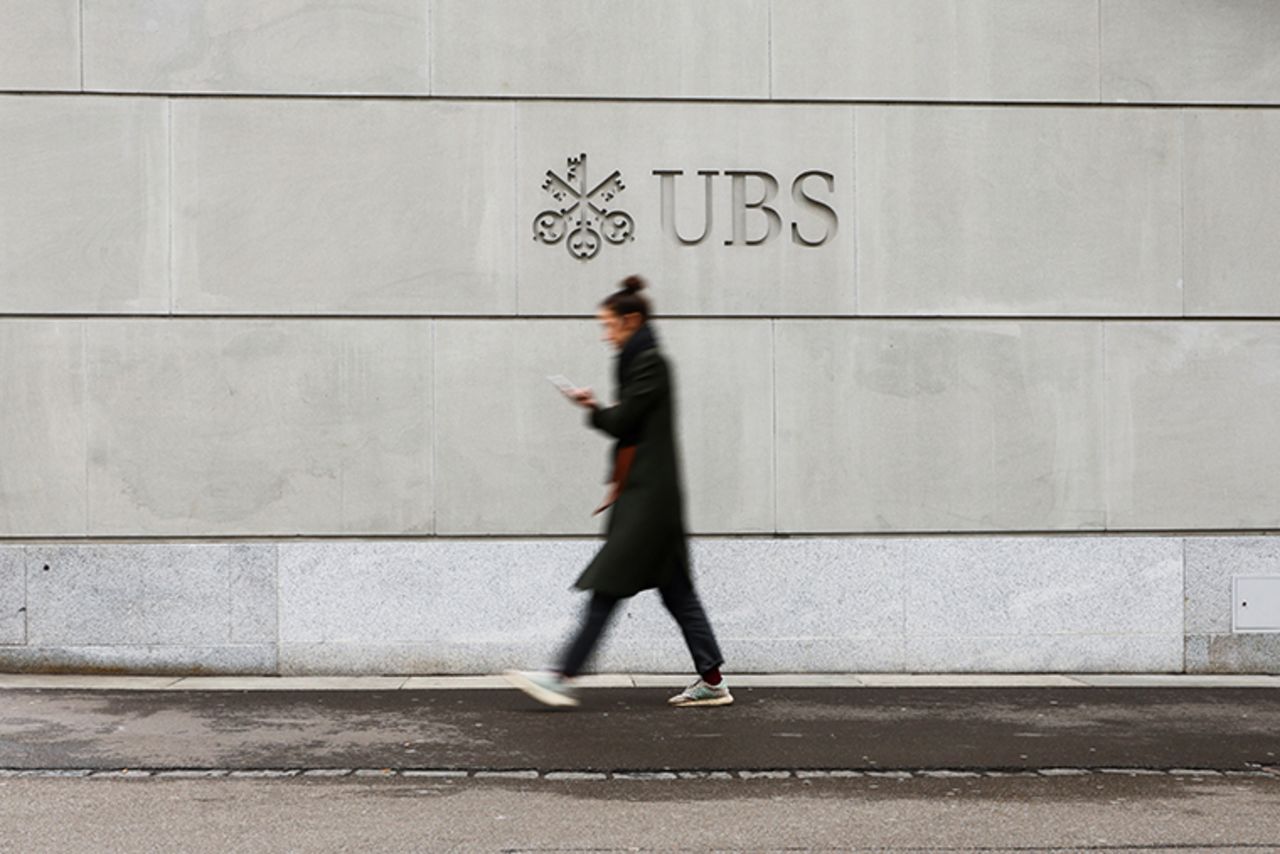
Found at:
[584, 397]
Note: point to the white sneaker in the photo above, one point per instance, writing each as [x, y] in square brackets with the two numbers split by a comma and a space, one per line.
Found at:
[543, 686]
[702, 694]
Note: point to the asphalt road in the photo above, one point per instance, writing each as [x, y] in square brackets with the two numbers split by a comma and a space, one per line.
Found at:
[633, 729]
[1097, 813]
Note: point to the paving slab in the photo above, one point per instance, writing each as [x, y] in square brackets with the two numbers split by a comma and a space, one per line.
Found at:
[444, 683]
[449, 683]
[642, 680]
[1174, 680]
[969, 680]
[285, 683]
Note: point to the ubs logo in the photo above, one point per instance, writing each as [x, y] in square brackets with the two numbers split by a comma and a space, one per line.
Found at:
[585, 219]
[584, 207]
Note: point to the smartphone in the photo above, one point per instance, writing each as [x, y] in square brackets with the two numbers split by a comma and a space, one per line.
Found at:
[562, 383]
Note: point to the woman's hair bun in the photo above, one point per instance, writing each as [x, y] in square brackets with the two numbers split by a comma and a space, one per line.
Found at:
[633, 284]
[628, 299]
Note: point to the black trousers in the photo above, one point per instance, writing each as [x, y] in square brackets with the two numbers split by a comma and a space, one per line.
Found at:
[683, 603]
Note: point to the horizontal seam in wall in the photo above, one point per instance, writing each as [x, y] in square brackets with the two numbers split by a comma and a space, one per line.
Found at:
[911, 635]
[193, 650]
[664, 318]
[653, 99]
[1043, 634]
[287, 539]
[474, 642]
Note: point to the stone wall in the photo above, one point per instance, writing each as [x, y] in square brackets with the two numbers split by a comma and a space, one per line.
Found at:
[972, 303]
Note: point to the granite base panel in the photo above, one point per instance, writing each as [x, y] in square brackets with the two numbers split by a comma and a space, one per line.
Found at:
[1239, 653]
[1078, 603]
[13, 597]
[152, 660]
[616, 655]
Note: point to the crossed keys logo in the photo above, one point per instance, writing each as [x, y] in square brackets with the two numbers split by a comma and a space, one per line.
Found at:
[581, 214]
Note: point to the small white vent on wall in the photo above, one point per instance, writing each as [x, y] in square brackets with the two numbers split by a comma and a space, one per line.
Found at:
[1256, 607]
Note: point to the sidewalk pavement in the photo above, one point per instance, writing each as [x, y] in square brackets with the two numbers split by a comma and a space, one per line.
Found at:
[779, 724]
[641, 680]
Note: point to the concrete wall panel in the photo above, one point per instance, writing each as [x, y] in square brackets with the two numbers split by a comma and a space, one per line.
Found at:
[259, 427]
[660, 48]
[84, 219]
[1191, 415]
[328, 206]
[514, 457]
[965, 50]
[273, 46]
[725, 405]
[42, 428]
[1035, 211]
[1231, 216]
[1190, 51]
[40, 44]
[779, 275]
[881, 426]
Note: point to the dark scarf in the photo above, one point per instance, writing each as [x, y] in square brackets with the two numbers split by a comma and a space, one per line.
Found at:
[642, 339]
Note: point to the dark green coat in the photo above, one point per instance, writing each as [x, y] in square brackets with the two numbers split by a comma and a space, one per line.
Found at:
[645, 537]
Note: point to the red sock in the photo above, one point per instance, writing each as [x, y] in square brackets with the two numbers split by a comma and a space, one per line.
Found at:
[712, 676]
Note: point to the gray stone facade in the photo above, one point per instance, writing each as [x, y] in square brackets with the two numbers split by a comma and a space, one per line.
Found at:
[1077, 603]
[972, 306]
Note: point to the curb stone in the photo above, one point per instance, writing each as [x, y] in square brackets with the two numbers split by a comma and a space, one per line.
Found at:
[575, 775]
[1270, 772]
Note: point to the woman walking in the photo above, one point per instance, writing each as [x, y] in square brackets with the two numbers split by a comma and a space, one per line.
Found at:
[645, 538]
